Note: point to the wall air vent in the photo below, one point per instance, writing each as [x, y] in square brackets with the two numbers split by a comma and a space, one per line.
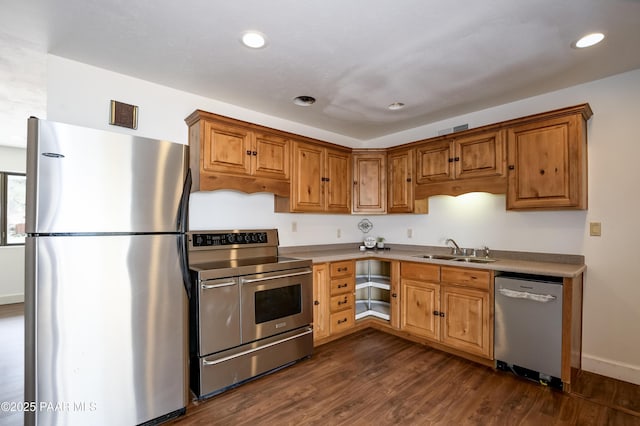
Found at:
[460, 128]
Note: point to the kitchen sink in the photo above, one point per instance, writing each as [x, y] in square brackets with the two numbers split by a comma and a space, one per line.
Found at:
[454, 258]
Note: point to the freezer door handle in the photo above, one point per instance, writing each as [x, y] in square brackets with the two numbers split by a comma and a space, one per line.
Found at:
[515, 294]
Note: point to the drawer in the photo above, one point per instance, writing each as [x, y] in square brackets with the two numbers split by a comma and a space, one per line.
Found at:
[343, 285]
[420, 271]
[342, 320]
[478, 278]
[341, 269]
[341, 302]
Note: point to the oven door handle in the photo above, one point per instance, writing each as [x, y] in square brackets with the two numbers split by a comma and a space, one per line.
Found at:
[249, 351]
[275, 277]
[210, 286]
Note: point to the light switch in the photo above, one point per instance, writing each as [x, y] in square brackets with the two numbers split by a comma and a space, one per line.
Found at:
[595, 229]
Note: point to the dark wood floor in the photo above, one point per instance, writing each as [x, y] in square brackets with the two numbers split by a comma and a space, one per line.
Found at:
[372, 378]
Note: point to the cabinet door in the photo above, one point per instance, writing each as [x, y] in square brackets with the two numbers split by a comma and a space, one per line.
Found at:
[307, 185]
[227, 149]
[479, 155]
[467, 320]
[394, 300]
[433, 162]
[369, 183]
[320, 301]
[547, 164]
[337, 182]
[270, 157]
[400, 187]
[419, 302]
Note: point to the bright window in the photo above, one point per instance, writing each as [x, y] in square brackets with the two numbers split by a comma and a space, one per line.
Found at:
[12, 209]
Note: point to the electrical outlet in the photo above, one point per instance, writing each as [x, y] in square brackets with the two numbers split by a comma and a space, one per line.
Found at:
[294, 226]
[595, 229]
[339, 233]
[409, 233]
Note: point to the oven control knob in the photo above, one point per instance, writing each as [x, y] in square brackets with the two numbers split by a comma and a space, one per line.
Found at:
[262, 237]
[231, 238]
[254, 238]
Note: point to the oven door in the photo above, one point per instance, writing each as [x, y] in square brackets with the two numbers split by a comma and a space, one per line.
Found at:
[275, 302]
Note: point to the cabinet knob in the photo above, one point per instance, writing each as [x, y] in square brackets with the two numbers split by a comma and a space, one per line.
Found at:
[456, 159]
[355, 182]
[315, 302]
[248, 152]
[394, 294]
[442, 314]
[408, 179]
[436, 313]
[450, 160]
[511, 167]
[254, 153]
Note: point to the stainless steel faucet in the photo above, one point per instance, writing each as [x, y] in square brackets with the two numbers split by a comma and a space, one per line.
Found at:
[456, 249]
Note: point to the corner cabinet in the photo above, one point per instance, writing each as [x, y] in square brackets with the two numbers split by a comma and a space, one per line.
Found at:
[321, 180]
[231, 154]
[369, 181]
[547, 161]
[448, 305]
[377, 290]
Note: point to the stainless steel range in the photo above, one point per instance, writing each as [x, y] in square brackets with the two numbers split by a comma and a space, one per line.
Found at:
[250, 311]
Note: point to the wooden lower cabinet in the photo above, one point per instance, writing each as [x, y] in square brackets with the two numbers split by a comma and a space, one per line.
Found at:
[448, 305]
[333, 298]
[321, 300]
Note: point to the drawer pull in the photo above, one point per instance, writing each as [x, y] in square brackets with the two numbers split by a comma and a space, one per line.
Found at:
[343, 285]
[342, 302]
[343, 269]
[342, 321]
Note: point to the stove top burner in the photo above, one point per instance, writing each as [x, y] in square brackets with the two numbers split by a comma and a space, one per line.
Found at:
[221, 254]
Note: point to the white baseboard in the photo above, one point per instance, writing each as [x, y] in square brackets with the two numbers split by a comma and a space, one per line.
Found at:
[11, 298]
[606, 367]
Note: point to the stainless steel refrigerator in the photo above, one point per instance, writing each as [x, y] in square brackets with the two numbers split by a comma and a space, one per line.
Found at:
[106, 282]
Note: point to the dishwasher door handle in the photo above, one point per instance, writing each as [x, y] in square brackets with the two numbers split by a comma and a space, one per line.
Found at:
[515, 294]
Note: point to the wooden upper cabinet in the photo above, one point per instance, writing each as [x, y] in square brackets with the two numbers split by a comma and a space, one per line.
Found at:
[548, 162]
[400, 186]
[433, 162]
[321, 180]
[337, 183]
[231, 154]
[369, 182]
[473, 156]
[270, 156]
[308, 185]
[479, 155]
[227, 149]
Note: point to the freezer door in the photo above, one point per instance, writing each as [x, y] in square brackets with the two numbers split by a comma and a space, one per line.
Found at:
[106, 329]
[83, 180]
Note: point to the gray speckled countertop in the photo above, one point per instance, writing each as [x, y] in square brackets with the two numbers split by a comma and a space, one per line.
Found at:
[557, 265]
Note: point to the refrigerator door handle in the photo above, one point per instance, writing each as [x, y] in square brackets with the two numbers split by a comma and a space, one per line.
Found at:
[183, 210]
[184, 264]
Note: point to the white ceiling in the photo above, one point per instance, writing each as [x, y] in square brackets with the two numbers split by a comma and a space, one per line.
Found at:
[441, 58]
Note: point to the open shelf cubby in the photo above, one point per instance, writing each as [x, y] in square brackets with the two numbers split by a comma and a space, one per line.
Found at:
[373, 286]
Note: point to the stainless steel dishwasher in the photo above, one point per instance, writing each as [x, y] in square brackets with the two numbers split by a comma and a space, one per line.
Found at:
[528, 326]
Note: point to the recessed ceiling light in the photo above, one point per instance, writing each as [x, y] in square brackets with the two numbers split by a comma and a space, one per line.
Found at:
[304, 100]
[395, 106]
[253, 39]
[589, 40]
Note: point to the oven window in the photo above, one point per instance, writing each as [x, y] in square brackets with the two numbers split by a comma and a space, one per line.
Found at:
[278, 303]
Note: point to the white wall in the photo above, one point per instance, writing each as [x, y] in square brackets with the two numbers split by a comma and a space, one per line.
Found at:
[22, 94]
[79, 94]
